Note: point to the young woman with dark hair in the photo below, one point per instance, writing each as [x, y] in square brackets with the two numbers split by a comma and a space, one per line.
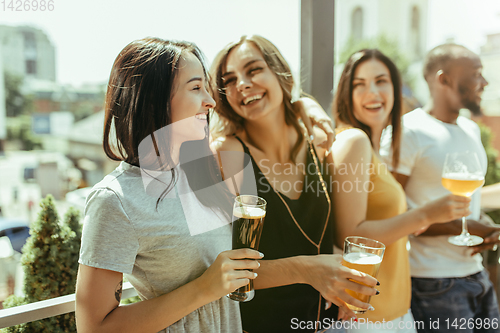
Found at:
[146, 219]
[369, 201]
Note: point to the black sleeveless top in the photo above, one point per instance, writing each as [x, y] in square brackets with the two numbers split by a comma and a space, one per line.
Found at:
[281, 309]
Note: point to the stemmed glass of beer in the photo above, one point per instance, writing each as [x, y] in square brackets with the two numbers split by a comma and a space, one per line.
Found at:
[364, 255]
[462, 175]
[249, 212]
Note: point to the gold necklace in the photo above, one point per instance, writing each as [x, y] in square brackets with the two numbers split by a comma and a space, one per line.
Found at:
[317, 245]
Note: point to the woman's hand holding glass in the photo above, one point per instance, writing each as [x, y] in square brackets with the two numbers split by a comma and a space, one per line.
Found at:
[447, 208]
[327, 275]
[462, 175]
[230, 271]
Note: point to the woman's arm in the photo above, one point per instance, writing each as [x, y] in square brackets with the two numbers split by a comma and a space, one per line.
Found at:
[324, 273]
[98, 293]
[352, 154]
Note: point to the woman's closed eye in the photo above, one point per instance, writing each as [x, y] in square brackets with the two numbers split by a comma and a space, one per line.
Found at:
[228, 81]
[255, 70]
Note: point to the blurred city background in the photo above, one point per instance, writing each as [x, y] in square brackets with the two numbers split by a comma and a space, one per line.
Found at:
[54, 66]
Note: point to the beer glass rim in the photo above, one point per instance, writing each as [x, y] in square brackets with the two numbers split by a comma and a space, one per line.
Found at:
[260, 202]
[382, 245]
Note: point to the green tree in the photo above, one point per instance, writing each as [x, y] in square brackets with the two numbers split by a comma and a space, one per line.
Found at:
[493, 172]
[50, 262]
[16, 103]
[19, 107]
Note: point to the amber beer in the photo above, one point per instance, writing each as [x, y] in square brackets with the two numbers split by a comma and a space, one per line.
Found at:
[364, 255]
[247, 227]
[462, 184]
[248, 220]
[366, 263]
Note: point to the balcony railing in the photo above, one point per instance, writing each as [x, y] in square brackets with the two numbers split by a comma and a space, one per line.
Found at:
[48, 308]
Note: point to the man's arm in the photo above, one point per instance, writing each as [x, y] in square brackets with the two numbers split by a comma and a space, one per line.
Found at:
[484, 228]
[490, 196]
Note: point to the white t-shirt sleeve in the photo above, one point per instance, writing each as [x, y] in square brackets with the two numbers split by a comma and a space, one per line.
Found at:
[385, 151]
[408, 152]
[109, 240]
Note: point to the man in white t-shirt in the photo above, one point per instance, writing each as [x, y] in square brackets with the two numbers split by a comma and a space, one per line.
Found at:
[449, 284]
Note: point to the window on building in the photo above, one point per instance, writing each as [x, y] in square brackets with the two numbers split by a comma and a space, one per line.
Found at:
[357, 24]
[30, 52]
[31, 67]
[29, 44]
[415, 31]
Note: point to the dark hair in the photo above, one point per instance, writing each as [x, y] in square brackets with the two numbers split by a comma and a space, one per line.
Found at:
[231, 122]
[442, 56]
[138, 106]
[342, 106]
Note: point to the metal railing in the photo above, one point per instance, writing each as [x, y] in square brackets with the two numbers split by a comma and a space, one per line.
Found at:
[49, 308]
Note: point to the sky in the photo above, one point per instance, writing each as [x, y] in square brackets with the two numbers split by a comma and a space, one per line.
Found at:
[467, 21]
[89, 34]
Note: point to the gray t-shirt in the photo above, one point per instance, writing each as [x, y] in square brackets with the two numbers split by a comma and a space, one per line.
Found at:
[124, 232]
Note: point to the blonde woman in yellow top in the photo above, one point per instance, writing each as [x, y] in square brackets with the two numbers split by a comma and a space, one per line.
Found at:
[368, 200]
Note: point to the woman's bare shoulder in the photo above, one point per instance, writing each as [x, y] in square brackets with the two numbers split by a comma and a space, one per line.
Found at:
[226, 143]
[352, 144]
[352, 137]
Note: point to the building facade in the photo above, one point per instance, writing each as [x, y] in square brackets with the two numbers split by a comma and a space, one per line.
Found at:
[490, 57]
[404, 21]
[28, 52]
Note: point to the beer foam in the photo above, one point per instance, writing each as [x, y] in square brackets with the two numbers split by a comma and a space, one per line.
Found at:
[462, 176]
[249, 212]
[362, 258]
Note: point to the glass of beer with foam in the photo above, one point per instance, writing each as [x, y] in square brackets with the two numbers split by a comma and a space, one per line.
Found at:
[249, 212]
[364, 255]
[462, 175]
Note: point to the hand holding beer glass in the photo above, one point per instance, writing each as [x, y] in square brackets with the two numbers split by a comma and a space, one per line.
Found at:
[364, 255]
[249, 212]
[462, 175]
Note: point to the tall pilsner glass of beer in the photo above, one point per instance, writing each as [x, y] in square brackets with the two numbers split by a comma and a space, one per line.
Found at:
[364, 255]
[249, 212]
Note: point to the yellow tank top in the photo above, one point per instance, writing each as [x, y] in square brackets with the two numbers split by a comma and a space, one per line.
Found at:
[387, 199]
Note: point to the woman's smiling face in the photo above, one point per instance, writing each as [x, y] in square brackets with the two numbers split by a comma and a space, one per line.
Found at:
[251, 87]
[372, 93]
